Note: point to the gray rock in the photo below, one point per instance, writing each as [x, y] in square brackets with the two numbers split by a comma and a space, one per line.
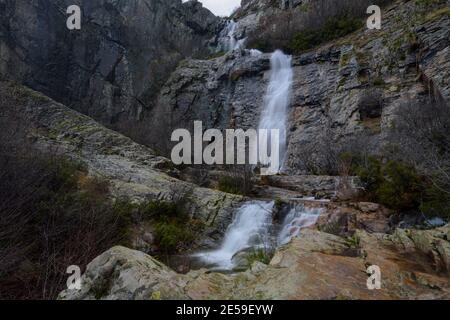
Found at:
[133, 171]
[345, 94]
[111, 69]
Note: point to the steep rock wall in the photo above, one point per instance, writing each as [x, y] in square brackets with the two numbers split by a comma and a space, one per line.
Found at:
[345, 92]
[113, 67]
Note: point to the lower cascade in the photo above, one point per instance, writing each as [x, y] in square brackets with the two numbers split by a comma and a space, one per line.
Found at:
[250, 229]
[297, 218]
[253, 228]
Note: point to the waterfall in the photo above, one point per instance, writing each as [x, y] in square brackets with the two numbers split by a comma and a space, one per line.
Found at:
[276, 101]
[228, 41]
[298, 218]
[250, 229]
[253, 228]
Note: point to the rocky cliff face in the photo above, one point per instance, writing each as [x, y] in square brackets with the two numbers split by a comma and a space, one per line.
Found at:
[347, 92]
[113, 67]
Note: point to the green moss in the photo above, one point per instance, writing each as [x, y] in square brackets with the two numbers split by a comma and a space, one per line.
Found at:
[216, 55]
[260, 255]
[23, 94]
[437, 14]
[156, 295]
[394, 184]
[345, 58]
[278, 203]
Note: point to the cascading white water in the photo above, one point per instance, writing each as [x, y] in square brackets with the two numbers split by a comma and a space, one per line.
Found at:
[250, 229]
[228, 41]
[276, 101]
[298, 218]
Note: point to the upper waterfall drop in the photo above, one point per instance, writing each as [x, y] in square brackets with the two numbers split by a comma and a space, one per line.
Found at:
[277, 99]
[228, 41]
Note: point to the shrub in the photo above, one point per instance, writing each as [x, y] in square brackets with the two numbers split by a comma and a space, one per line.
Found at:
[395, 184]
[420, 136]
[229, 184]
[334, 27]
[237, 180]
[436, 201]
[353, 241]
[309, 24]
[170, 234]
[53, 215]
[158, 209]
[401, 186]
[174, 229]
[370, 175]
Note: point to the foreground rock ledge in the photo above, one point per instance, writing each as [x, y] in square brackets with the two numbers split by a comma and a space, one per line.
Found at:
[317, 265]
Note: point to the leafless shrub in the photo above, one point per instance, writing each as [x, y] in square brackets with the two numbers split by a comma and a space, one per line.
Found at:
[326, 156]
[421, 136]
[52, 215]
[238, 179]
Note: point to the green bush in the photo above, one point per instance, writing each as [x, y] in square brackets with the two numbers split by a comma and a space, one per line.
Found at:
[395, 184]
[333, 28]
[401, 187]
[370, 175]
[237, 181]
[174, 229]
